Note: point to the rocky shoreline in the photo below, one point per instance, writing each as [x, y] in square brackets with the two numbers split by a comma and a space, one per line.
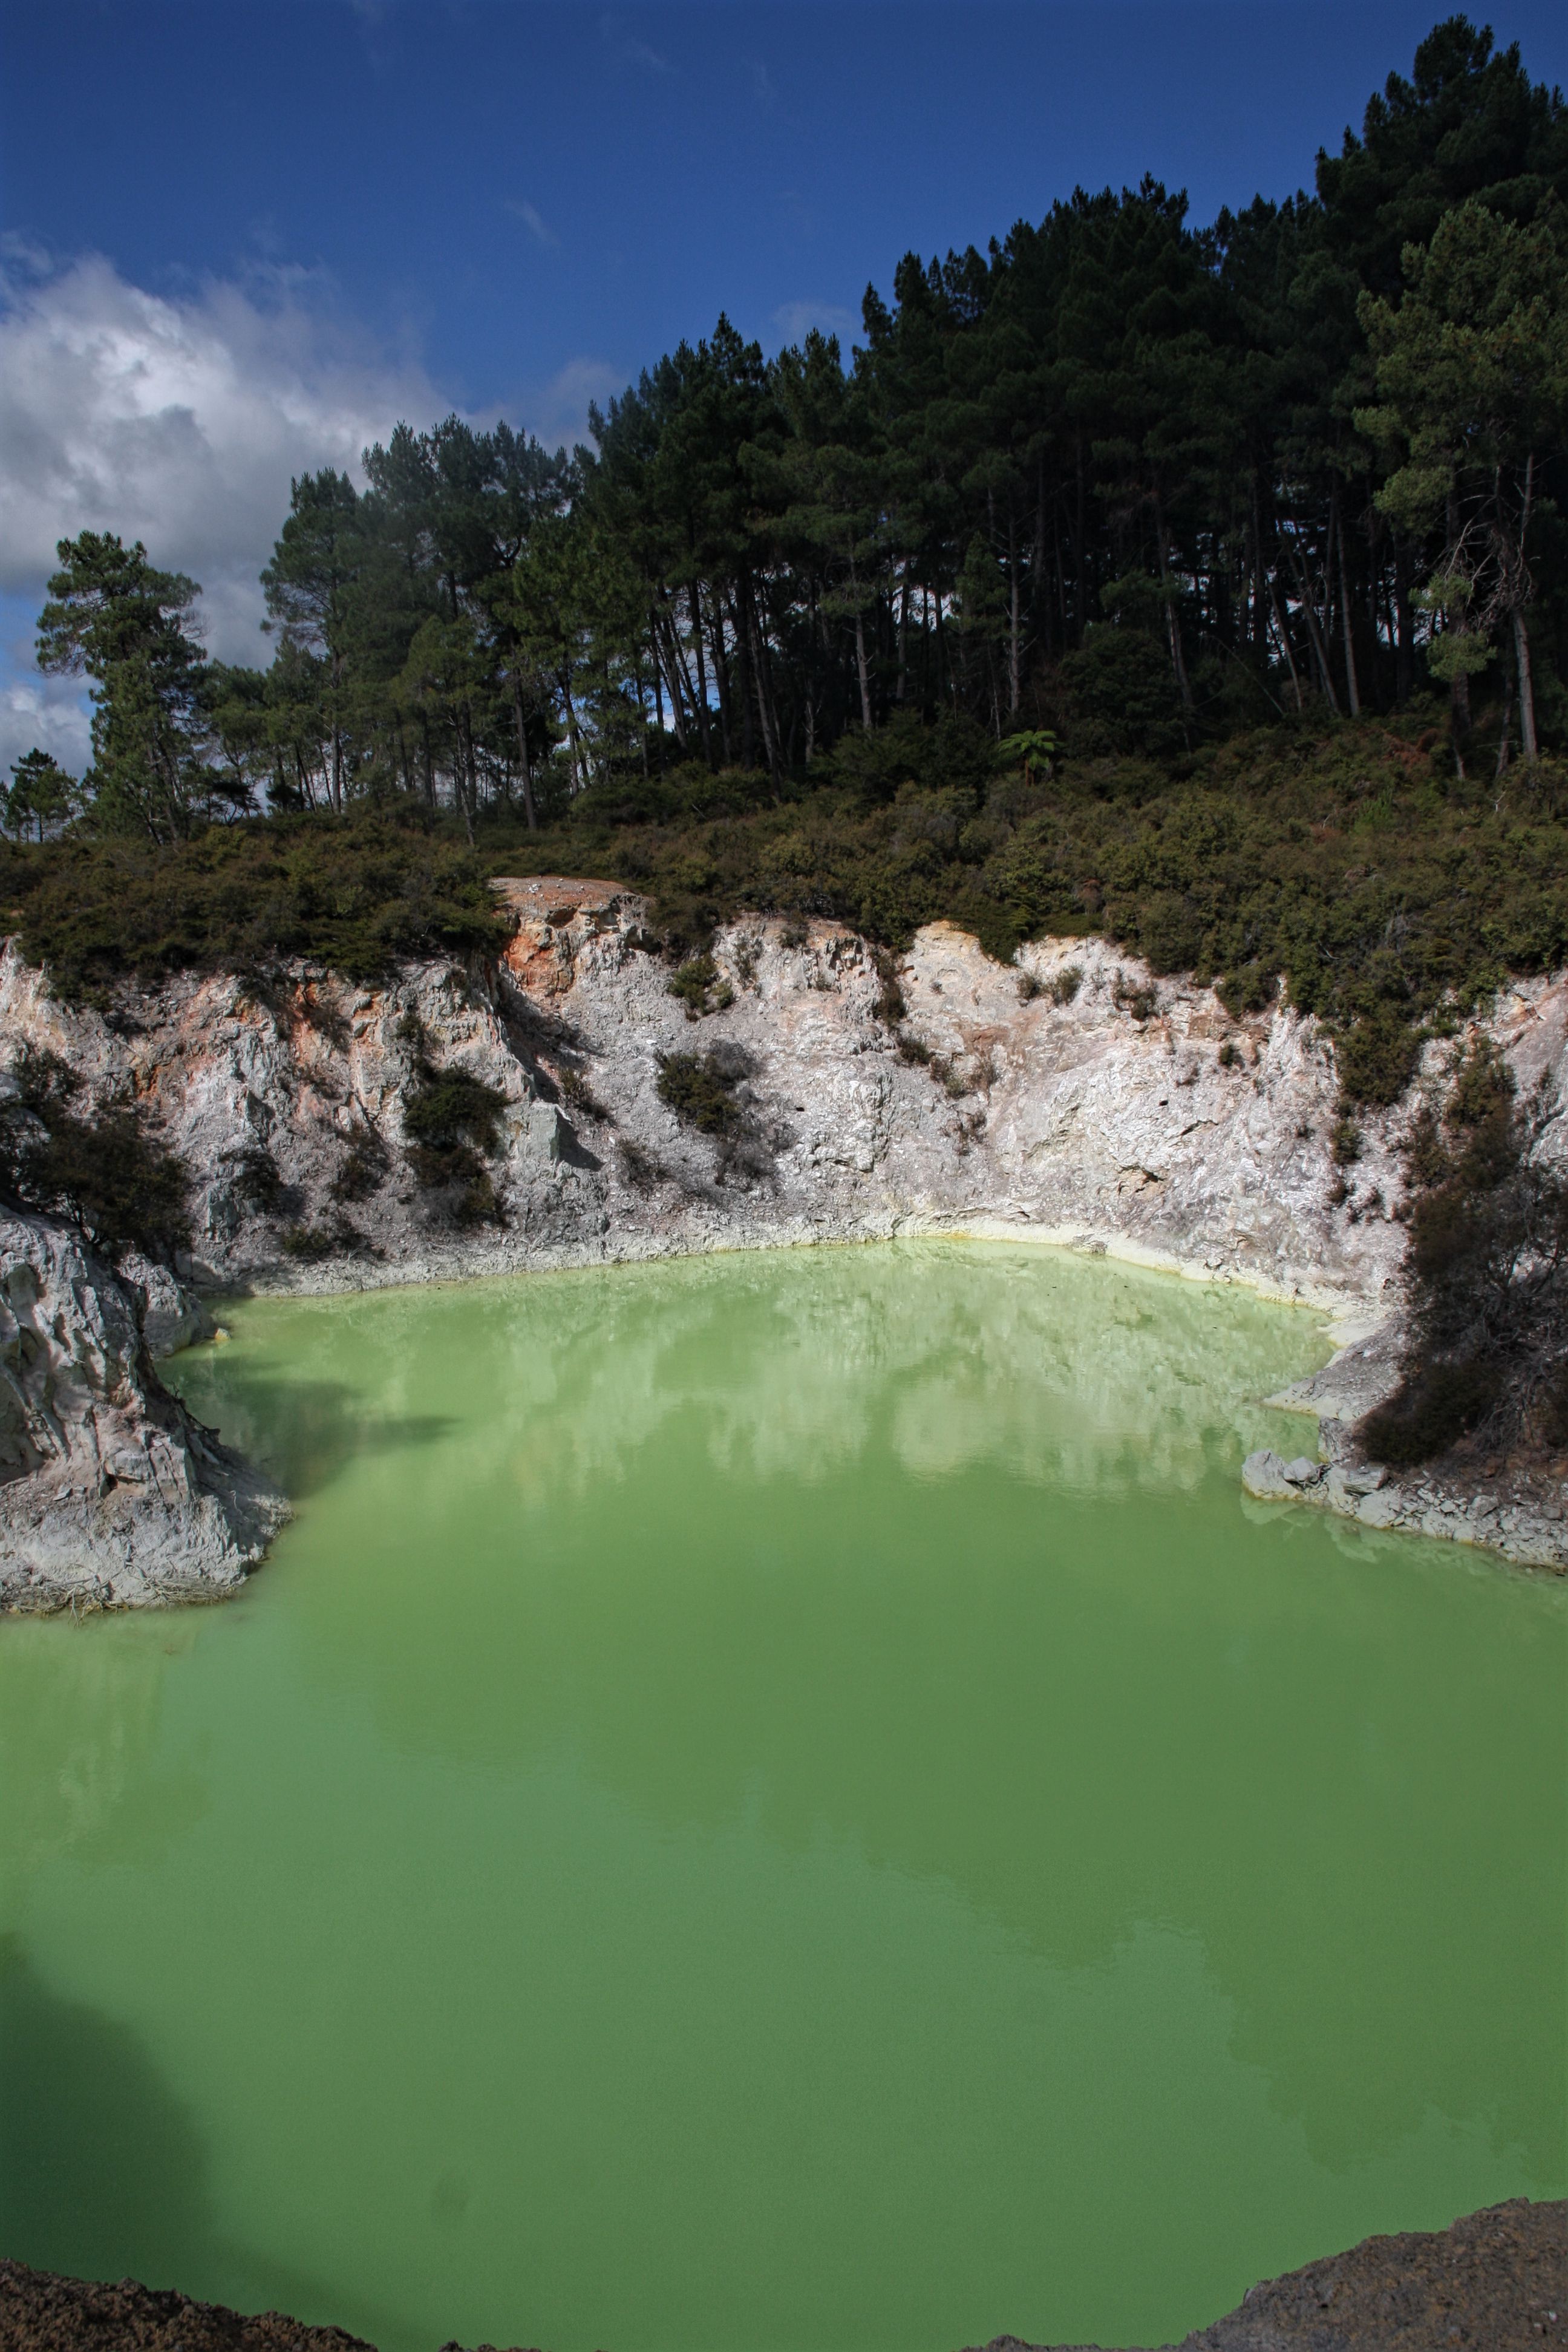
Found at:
[1497, 2279]
[1071, 1097]
[1519, 1516]
[114, 1495]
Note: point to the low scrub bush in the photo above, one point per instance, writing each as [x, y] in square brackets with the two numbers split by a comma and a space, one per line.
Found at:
[1343, 859]
[700, 1088]
[450, 1119]
[94, 1166]
[699, 987]
[354, 893]
[1488, 1269]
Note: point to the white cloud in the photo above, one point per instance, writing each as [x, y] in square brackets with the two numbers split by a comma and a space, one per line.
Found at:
[795, 320]
[630, 48]
[50, 712]
[531, 219]
[177, 422]
[180, 422]
[559, 412]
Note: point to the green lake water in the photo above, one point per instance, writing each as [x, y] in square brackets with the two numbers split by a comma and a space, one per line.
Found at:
[787, 1803]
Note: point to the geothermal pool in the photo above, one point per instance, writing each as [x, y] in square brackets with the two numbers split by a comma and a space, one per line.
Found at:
[780, 1803]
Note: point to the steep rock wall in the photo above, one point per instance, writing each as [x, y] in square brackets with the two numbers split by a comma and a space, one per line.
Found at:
[111, 1493]
[1132, 1114]
[1071, 1097]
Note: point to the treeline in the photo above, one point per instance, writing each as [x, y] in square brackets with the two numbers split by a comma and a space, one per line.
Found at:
[1117, 480]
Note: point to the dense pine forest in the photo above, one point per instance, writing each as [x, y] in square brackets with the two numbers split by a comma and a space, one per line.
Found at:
[1204, 585]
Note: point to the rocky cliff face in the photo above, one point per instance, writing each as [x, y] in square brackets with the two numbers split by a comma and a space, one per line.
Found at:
[830, 1094]
[111, 1493]
[1071, 1097]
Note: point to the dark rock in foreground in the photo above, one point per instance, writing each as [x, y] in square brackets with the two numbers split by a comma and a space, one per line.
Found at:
[40, 2312]
[1496, 2280]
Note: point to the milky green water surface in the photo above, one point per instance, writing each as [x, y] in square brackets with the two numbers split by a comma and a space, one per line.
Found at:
[784, 1801]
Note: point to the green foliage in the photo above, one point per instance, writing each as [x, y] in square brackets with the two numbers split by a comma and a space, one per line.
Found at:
[354, 894]
[1118, 694]
[700, 1088]
[699, 987]
[363, 1168]
[449, 1107]
[101, 1171]
[450, 1117]
[128, 627]
[256, 1181]
[1488, 1269]
[1250, 863]
[42, 796]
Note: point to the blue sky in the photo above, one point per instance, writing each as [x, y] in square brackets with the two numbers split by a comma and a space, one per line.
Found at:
[241, 235]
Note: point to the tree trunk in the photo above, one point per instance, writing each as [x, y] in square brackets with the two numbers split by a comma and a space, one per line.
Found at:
[579, 774]
[528, 807]
[1526, 686]
[721, 679]
[1014, 656]
[765, 711]
[1315, 634]
[694, 600]
[1080, 549]
[1404, 627]
[1520, 634]
[1352, 685]
[1285, 642]
[1172, 630]
[861, 662]
[430, 763]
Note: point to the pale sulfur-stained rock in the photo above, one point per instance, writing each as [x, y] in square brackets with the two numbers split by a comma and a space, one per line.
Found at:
[111, 1493]
[1028, 1100]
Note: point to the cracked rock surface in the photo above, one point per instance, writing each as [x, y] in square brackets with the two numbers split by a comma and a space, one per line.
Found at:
[1496, 2280]
[112, 1495]
[1071, 1097]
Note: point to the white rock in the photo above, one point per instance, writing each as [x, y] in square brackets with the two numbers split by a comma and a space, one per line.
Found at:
[110, 1493]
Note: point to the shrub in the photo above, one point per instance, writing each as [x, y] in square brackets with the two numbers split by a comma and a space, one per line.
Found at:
[1121, 694]
[451, 1106]
[450, 1117]
[700, 1088]
[1377, 1060]
[889, 1008]
[102, 1174]
[354, 893]
[1487, 1271]
[308, 1245]
[579, 1096]
[255, 1179]
[1142, 1001]
[1249, 859]
[641, 1169]
[362, 1168]
[697, 985]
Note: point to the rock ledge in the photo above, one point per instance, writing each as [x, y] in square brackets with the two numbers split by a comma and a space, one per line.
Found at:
[111, 1494]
